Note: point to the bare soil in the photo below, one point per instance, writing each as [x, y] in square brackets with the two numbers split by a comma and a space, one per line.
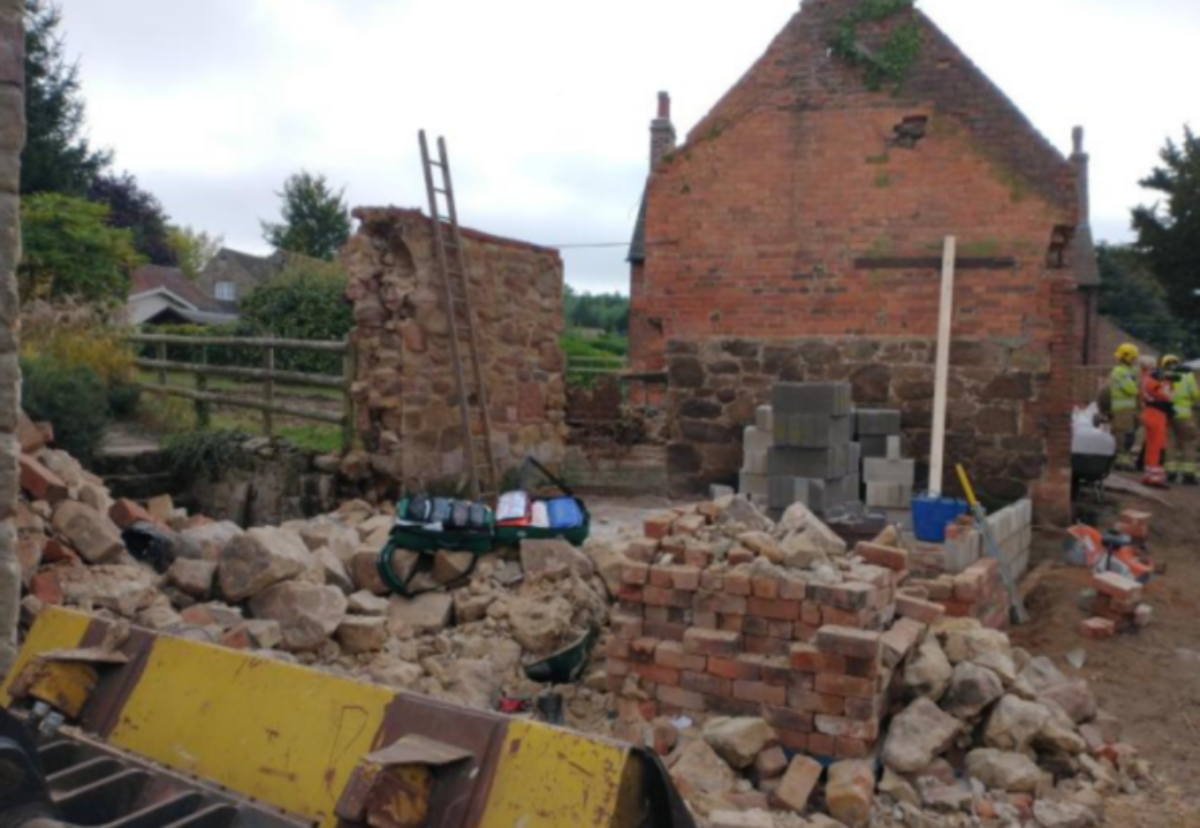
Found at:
[1151, 680]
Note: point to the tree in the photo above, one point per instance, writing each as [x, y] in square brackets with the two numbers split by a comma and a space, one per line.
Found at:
[1168, 234]
[132, 208]
[194, 249]
[57, 156]
[1136, 302]
[71, 250]
[306, 301]
[316, 221]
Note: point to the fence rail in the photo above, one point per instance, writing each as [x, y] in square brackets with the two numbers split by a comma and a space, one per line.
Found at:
[595, 365]
[267, 376]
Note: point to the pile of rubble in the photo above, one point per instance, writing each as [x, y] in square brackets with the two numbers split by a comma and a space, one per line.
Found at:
[310, 591]
[773, 668]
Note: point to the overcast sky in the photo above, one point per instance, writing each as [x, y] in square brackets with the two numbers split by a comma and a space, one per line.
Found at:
[546, 103]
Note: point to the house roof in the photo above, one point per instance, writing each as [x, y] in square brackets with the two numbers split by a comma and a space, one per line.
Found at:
[149, 278]
[260, 268]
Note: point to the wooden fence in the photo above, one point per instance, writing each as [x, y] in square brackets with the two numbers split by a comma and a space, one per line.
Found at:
[594, 366]
[266, 377]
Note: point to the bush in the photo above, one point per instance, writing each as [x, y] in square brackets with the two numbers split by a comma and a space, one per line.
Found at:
[206, 455]
[72, 398]
[124, 400]
[95, 346]
[307, 301]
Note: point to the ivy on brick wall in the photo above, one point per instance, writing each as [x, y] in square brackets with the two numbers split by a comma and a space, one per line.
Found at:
[891, 61]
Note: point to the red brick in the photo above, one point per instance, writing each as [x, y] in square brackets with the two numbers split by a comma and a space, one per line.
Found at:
[851, 596]
[805, 632]
[790, 590]
[56, 551]
[821, 745]
[642, 649]
[732, 623]
[739, 555]
[642, 550]
[685, 578]
[738, 583]
[729, 706]
[868, 668]
[712, 642]
[237, 639]
[671, 654]
[1117, 586]
[630, 594]
[777, 610]
[712, 581]
[886, 556]
[847, 748]
[720, 602]
[734, 668]
[848, 642]
[926, 612]
[634, 573]
[859, 620]
[125, 513]
[660, 576]
[658, 526]
[616, 648]
[788, 719]
[763, 587]
[626, 627]
[666, 597]
[779, 629]
[808, 659]
[845, 686]
[705, 683]
[765, 645]
[809, 701]
[756, 691]
[668, 631]
[969, 585]
[40, 482]
[793, 740]
[656, 673]
[776, 670]
[864, 710]
[1097, 628]
[810, 614]
[46, 587]
[689, 524]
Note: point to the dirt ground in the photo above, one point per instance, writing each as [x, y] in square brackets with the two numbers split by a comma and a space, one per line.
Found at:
[1152, 679]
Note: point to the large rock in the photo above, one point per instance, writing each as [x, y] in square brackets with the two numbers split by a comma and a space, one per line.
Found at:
[365, 603]
[798, 519]
[740, 511]
[92, 534]
[918, 735]
[1041, 674]
[362, 634]
[192, 577]
[472, 682]
[540, 626]
[1074, 697]
[1004, 771]
[553, 559]
[340, 539]
[333, 571]
[928, 672]
[798, 783]
[423, 614]
[968, 645]
[738, 741]
[123, 589]
[403, 675]
[972, 688]
[1014, 723]
[1063, 815]
[308, 614]
[608, 562]
[850, 792]
[212, 538]
[699, 770]
[763, 545]
[260, 558]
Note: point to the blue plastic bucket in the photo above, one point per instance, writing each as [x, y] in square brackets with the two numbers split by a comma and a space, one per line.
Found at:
[931, 514]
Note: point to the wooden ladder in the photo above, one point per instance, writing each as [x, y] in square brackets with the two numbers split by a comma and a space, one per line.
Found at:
[464, 343]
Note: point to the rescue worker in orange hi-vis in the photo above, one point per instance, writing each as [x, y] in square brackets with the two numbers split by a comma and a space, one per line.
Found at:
[1157, 411]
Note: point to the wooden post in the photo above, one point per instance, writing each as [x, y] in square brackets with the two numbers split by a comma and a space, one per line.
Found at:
[269, 390]
[162, 357]
[349, 370]
[937, 451]
[203, 413]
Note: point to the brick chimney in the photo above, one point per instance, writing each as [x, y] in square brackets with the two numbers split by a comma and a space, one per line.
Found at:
[662, 131]
[1079, 160]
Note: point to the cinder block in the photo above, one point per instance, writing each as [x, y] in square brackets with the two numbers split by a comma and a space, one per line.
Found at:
[878, 421]
[889, 495]
[755, 461]
[784, 491]
[830, 398]
[764, 419]
[842, 490]
[824, 464]
[876, 470]
[873, 445]
[811, 430]
[962, 550]
[855, 459]
[753, 484]
[755, 438]
[895, 446]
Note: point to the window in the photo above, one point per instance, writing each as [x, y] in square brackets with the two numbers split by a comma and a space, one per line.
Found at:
[227, 291]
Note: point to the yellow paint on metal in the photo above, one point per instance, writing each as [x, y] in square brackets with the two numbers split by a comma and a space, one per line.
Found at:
[54, 629]
[65, 686]
[283, 734]
[550, 778]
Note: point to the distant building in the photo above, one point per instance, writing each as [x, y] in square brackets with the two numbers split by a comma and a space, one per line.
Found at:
[165, 296]
[231, 275]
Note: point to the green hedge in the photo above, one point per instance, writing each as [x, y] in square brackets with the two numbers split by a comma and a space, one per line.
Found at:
[73, 399]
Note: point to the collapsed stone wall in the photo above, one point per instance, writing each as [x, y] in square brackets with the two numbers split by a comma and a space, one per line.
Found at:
[997, 422]
[406, 398]
[12, 140]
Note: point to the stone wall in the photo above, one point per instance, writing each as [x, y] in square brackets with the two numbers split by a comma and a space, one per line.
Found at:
[12, 140]
[406, 394]
[996, 425]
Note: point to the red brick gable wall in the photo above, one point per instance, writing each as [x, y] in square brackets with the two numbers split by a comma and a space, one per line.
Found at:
[790, 212]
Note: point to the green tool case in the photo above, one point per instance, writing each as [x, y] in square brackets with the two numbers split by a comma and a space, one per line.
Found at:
[426, 540]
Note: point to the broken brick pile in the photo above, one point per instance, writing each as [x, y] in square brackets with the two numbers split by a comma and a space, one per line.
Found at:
[977, 592]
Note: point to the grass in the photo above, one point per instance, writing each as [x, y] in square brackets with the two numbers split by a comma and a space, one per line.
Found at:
[609, 347]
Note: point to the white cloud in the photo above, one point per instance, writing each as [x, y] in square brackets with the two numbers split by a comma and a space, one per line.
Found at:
[546, 103]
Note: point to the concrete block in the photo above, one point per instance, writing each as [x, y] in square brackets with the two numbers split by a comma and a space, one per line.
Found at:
[752, 484]
[855, 459]
[784, 491]
[889, 495]
[755, 461]
[961, 551]
[878, 421]
[763, 419]
[811, 430]
[831, 398]
[876, 470]
[824, 464]
[873, 445]
[756, 438]
[895, 446]
[843, 490]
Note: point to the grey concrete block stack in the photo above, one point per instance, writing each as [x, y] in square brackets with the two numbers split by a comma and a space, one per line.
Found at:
[889, 477]
[812, 459]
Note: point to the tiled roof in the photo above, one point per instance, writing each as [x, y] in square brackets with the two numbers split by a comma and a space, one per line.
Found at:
[153, 277]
